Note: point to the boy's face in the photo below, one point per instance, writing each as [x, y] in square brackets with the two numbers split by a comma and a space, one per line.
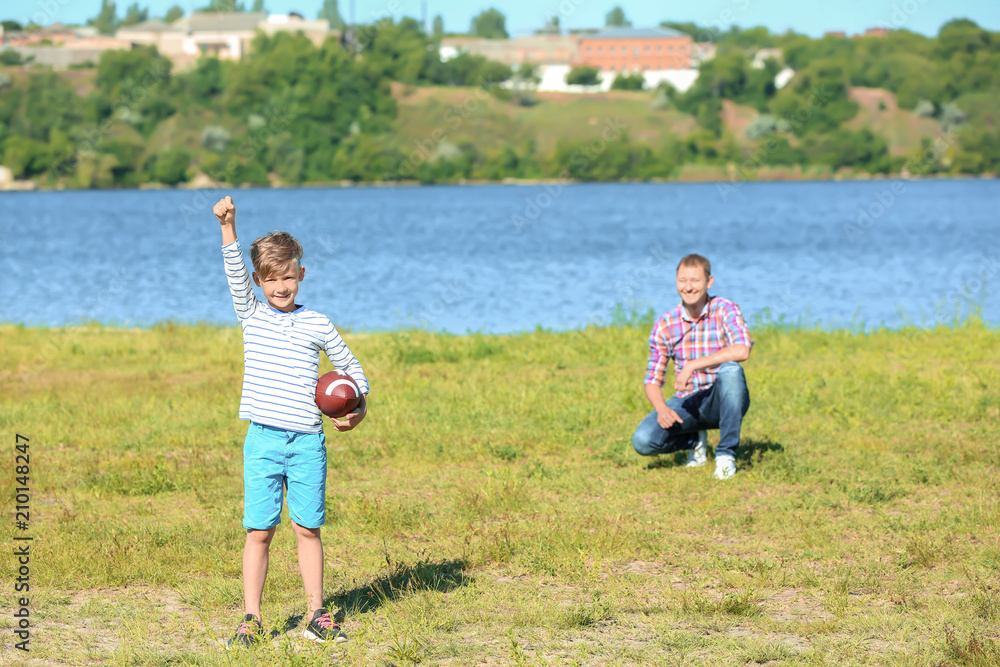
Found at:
[692, 284]
[281, 287]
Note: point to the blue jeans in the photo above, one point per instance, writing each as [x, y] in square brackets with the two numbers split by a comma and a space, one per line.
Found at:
[721, 406]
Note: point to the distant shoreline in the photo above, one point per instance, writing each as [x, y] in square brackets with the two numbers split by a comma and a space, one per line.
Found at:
[707, 177]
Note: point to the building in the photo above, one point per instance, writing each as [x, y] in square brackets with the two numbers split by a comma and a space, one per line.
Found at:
[147, 33]
[541, 49]
[701, 52]
[226, 35]
[317, 31]
[763, 55]
[53, 35]
[635, 50]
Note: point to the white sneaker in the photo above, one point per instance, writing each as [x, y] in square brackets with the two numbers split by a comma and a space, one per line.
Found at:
[698, 456]
[725, 467]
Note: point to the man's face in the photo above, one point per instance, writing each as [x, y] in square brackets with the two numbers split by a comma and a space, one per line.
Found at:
[692, 285]
[281, 287]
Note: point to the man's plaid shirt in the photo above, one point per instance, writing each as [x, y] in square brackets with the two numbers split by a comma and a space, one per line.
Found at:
[675, 336]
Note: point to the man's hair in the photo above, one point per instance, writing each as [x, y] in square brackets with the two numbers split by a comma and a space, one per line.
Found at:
[696, 260]
[271, 253]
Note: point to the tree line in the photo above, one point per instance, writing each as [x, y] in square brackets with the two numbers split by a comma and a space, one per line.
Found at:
[304, 113]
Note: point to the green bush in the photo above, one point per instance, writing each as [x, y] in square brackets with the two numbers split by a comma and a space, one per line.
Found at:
[581, 75]
[623, 81]
[170, 166]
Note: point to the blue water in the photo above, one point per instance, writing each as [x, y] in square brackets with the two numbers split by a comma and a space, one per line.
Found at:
[510, 258]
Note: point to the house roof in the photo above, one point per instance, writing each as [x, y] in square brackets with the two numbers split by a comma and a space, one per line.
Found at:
[56, 29]
[634, 33]
[148, 26]
[225, 21]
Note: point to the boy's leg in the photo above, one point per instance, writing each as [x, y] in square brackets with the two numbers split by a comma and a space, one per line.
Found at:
[725, 407]
[310, 546]
[650, 438]
[255, 558]
[263, 491]
[307, 509]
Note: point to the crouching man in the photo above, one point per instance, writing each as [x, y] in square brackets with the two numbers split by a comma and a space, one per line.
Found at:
[706, 338]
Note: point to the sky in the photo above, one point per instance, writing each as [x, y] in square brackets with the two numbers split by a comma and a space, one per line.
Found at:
[813, 17]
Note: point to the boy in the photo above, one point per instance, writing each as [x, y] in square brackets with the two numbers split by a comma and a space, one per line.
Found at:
[285, 446]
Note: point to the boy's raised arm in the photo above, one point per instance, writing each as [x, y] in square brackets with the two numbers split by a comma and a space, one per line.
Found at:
[225, 211]
[244, 300]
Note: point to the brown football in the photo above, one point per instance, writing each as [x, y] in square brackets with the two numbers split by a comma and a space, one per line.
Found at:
[337, 394]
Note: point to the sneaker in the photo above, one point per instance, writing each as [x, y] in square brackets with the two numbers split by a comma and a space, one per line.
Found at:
[248, 634]
[725, 467]
[322, 628]
[698, 455]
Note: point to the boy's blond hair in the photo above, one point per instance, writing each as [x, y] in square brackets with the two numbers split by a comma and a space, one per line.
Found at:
[696, 260]
[270, 254]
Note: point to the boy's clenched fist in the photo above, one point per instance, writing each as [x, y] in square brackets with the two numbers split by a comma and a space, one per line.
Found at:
[225, 211]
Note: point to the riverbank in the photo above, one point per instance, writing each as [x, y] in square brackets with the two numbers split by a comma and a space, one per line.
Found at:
[689, 174]
[491, 509]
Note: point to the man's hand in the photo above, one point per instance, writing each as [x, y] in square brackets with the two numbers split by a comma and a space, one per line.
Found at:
[683, 380]
[666, 417]
[225, 211]
[352, 419]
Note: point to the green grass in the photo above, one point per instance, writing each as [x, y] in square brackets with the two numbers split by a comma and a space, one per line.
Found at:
[491, 510]
[470, 115]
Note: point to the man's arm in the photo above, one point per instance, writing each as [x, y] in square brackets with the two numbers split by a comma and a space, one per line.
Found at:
[665, 417]
[656, 368]
[735, 353]
[739, 342]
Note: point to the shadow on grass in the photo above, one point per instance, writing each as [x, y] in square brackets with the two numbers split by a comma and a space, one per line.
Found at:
[402, 580]
[751, 452]
[440, 576]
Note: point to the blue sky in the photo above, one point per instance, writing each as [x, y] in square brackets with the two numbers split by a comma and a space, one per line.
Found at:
[813, 17]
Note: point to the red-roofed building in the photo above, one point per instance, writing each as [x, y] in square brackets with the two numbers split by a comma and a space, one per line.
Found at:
[635, 50]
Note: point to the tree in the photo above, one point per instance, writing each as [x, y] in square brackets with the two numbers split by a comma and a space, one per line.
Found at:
[491, 24]
[616, 18]
[135, 14]
[625, 81]
[961, 36]
[438, 27]
[695, 31]
[552, 26]
[173, 14]
[258, 6]
[170, 166]
[224, 6]
[582, 75]
[331, 12]
[397, 50]
[11, 57]
[106, 20]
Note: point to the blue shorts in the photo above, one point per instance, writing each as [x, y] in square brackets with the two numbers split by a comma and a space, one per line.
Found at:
[275, 459]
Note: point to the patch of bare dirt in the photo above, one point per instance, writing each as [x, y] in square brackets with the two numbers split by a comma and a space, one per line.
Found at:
[869, 98]
[795, 604]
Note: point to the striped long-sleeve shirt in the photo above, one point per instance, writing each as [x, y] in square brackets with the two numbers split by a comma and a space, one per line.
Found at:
[676, 336]
[281, 355]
